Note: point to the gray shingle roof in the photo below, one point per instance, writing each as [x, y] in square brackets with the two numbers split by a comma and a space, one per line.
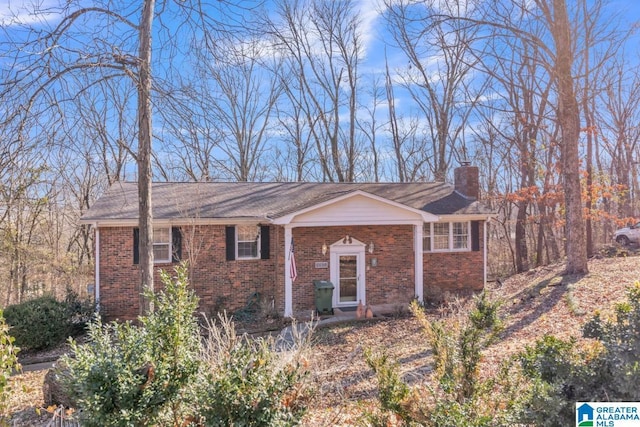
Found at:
[215, 200]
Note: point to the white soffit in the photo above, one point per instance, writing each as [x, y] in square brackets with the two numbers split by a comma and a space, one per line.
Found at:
[357, 208]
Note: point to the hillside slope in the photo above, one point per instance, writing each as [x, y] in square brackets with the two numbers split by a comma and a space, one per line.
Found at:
[543, 302]
[537, 303]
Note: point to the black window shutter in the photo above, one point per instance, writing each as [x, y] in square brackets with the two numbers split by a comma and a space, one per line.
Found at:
[475, 235]
[176, 244]
[136, 245]
[231, 242]
[264, 242]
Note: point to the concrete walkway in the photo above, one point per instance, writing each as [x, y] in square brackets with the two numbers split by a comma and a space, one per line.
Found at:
[38, 366]
[287, 338]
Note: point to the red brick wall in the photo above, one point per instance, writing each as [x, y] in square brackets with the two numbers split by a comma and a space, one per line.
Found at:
[226, 285]
[392, 280]
[453, 273]
[220, 284]
[119, 277]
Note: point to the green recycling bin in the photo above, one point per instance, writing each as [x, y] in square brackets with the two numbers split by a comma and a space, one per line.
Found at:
[324, 296]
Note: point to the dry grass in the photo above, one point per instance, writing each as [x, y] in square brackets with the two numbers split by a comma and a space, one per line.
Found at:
[536, 303]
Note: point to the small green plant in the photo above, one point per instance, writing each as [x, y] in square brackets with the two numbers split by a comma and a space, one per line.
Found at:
[457, 395]
[8, 362]
[549, 359]
[559, 374]
[130, 375]
[620, 337]
[392, 391]
[457, 343]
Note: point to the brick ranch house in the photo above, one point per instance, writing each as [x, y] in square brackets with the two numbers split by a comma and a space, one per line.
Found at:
[382, 244]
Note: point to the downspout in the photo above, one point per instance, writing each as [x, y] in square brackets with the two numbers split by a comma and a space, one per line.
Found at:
[484, 250]
[97, 268]
[288, 283]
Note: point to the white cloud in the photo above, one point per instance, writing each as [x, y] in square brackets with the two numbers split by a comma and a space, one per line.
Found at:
[368, 12]
[28, 12]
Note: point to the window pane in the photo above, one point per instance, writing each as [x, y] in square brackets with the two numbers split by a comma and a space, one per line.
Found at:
[426, 243]
[248, 241]
[247, 249]
[248, 233]
[161, 252]
[162, 244]
[441, 236]
[161, 235]
[348, 278]
[460, 235]
[426, 237]
[459, 242]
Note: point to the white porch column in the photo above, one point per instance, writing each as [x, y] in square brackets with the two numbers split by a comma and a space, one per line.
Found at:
[288, 288]
[417, 250]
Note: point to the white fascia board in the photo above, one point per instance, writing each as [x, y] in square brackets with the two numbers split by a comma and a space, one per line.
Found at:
[178, 221]
[288, 219]
[355, 222]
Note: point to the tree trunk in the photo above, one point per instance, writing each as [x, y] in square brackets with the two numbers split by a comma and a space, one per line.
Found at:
[569, 120]
[588, 116]
[522, 253]
[144, 157]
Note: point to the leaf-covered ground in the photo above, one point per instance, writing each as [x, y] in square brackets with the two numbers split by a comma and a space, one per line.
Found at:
[536, 303]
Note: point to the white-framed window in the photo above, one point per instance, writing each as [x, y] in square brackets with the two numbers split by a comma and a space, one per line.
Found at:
[162, 244]
[460, 235]
[446, 236]
[247, 242]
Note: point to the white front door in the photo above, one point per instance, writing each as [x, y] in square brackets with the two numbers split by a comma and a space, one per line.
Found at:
[347, 273]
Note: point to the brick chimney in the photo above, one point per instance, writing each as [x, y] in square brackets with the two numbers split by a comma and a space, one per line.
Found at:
[466, 180]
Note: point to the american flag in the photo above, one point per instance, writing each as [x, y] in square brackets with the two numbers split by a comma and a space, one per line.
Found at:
[293, 271]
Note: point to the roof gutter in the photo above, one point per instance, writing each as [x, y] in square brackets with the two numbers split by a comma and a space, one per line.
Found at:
[133, 222]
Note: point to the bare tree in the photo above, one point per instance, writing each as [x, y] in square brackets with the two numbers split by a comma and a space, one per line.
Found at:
[556, 52]
[294, 160]
[522, 94]
[191, 137]
[24, 194]
[240, 88]
[568, 113]
[597, 44]
[371, 128]
[439, 53]
[87, 47]
[105, 128]
[321, 42]
[53, 68]
[618, 121]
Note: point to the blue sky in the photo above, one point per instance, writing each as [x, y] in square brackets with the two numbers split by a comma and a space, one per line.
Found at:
[15, 13]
